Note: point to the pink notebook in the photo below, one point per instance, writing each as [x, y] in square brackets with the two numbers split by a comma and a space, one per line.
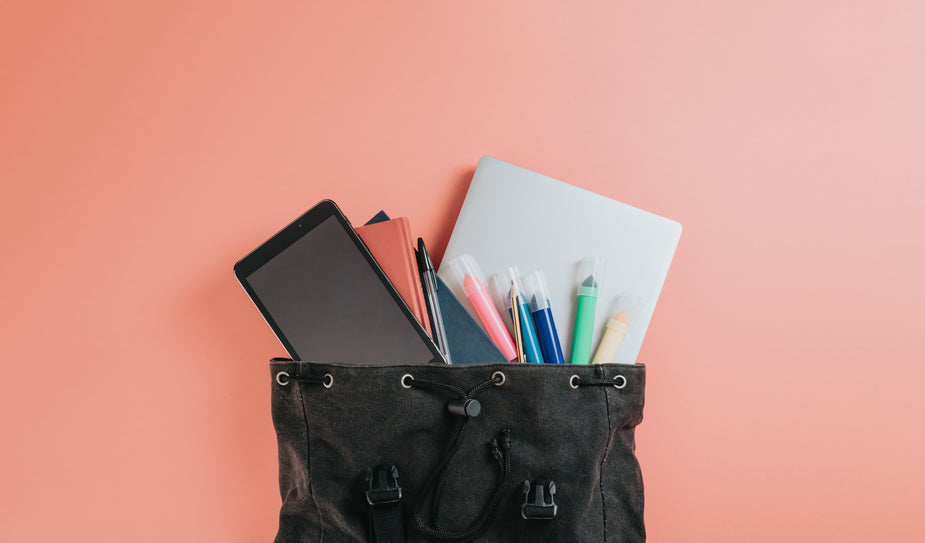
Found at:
[390, 244]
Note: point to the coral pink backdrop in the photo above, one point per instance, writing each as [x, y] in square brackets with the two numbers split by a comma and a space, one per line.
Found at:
[146, 146]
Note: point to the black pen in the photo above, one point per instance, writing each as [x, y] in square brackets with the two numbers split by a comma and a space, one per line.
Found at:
[429, 281]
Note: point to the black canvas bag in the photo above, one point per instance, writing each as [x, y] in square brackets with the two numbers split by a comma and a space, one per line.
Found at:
[463, 441]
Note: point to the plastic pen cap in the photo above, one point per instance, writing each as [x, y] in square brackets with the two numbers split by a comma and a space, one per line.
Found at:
[536, 291]
[501, 286]
[500, 291]
[512, 275]
[590, 275]
[628, 304]
[464, 265]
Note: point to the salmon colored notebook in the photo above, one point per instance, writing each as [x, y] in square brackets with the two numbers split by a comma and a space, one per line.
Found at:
[390, 244]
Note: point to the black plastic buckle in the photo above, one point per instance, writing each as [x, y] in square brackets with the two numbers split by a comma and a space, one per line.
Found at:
[382, 484]
[539, 503]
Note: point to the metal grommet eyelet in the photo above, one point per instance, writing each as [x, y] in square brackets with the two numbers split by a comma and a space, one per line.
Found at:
[327, 380]
[622, 383]
[572, 383]
[280, 381]
[406, 376]
[499, 374]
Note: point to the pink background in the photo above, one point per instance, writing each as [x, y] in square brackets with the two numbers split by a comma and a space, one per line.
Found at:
[146, 146]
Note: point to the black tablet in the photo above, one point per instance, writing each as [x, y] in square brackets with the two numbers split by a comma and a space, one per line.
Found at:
[327, 299]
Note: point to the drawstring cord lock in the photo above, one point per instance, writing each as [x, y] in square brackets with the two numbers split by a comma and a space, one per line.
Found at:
[465, 407]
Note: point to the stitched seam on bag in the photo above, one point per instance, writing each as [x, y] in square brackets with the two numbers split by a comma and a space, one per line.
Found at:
[308, 458]
[604, 456]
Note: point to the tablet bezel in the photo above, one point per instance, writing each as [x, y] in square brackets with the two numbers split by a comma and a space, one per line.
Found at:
[298, 228]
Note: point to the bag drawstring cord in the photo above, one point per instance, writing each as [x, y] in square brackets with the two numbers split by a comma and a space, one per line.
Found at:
[501, 452]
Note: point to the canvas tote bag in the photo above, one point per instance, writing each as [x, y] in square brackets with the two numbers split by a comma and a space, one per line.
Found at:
[478, 453]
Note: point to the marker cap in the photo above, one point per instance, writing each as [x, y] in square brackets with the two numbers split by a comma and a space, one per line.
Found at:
[627, 303]
[512, 275]
[464, 265]
[500, 291]
[501, 288]
[590, 275]
[536, 291]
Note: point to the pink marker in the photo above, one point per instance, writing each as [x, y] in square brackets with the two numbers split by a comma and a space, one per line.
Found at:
[467, 273]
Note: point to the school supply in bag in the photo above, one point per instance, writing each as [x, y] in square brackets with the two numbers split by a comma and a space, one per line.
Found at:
[327, 299]
[541, 309]
[428, 278]
[467, 278]
[571, 224]
[467, 341]
[390, 244]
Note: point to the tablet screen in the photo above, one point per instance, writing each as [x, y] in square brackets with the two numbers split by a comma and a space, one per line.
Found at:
[330, 304]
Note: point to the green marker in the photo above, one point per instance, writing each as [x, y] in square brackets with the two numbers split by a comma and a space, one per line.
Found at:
[590, 273]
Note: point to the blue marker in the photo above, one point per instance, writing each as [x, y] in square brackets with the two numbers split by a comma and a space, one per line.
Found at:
[538, 294]
[502, 285]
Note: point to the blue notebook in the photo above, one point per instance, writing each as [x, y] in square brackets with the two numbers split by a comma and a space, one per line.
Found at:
[468, 342]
